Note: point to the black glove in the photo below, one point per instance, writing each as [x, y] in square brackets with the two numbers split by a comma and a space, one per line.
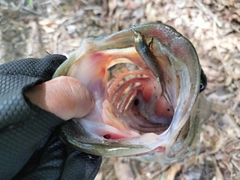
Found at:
[28, 147]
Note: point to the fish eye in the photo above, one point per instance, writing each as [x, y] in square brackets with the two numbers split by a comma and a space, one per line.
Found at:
[203, 81]
[202, 87]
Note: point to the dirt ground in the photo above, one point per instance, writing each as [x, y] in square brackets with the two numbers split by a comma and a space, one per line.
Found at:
[31, 28]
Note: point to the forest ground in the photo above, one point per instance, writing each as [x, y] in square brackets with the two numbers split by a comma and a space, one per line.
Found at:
[30, 28]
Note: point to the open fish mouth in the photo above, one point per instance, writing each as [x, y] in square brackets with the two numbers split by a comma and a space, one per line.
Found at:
[145, 81]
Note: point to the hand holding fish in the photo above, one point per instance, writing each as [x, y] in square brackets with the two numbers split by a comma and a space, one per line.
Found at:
[32, 105]
[149, 110]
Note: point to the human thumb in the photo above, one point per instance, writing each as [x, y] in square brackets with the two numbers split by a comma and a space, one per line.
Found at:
[64, 96]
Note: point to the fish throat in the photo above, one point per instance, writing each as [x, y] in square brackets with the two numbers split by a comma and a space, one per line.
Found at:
[137, 99]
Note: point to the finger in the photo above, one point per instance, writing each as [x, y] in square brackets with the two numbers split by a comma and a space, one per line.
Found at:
[66, 97]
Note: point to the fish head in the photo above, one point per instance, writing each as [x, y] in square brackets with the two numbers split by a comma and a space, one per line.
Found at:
[135, 111]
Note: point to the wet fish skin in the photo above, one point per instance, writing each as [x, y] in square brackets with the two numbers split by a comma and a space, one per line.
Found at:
[145, 52]
[147, 55]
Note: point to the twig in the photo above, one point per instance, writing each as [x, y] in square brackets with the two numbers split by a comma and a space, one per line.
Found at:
[202, 7]
[29, 10]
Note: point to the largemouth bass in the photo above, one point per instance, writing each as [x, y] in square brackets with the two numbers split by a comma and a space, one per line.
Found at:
[149, 109]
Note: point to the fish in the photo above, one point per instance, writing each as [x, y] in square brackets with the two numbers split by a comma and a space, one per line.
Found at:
[146, 82]
[146, 54]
